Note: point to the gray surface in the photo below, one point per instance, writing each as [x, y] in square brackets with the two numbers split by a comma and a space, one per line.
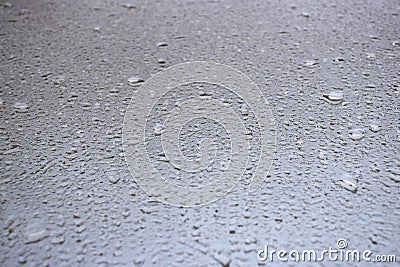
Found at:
[67, 198]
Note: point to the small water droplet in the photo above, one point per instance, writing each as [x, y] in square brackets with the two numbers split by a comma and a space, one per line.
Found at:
[57, 240]
[59, 79]
[310, 63]
[338, 59]
[335, 96]
[371, 55]
[161, 44]
[223, 259]
[6, 5]
[158, 129]
[374, 127]
[47, 73]
[128, 6]
[113, 179]
[21, 107]
[135, 80]
[357, 134]
[349, 183]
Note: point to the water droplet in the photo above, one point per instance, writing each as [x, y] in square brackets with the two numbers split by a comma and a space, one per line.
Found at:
[310, 63]
[374, 127]
[356, 134]
[338, 59]
[161, 44]
[6, 5]
[394, 175]
[80, 229]
[349, 183]
[21, 107]
[113, 179]
[36, 232]
[86, 105]
[22, 259]
[128, 6]
[223, 259]
[59, 79]
[335, 97]
[57, 240]
[158, 129]
[48, 73]
[135, 80]
[371, 55]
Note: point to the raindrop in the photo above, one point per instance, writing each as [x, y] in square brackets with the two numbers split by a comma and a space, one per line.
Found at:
[310, 63]
[59, 79]
[349, 183]
[338, 59]
[21, 107]
[113, 179]
[6, 5]
[86, 105]
[57, 240]
[135, 80]
[356, 134]
[158, 129]
[35, 233]
[161, 44]
[374, 127]
[128, 6]
[22, 259]
[335, 97]
[48, 73]
[371, 55]
[223, 259]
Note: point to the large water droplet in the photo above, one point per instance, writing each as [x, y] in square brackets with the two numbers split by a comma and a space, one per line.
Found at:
[335, 97]
[36, 232]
